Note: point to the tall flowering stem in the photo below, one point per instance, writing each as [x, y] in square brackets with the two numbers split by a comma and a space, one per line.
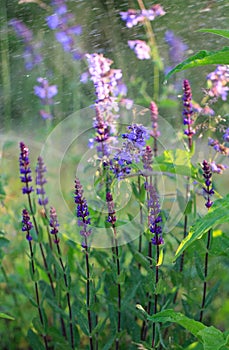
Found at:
[40, 189]
[84, 221]
[112, 220]
[26, 179]
[27, 226]
[54, 231]
[189, 132]
[155, 133]
[154, 222]
[208, 192]
[158, 66]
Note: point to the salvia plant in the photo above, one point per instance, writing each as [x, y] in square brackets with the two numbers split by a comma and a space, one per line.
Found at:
[142, 262]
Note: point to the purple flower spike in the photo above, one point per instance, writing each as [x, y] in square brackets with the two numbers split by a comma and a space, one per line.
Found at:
[27, 224]
[25, 170]
[111, 210]
[40, 182]
[188, 111]
[147, 158]
[53, 223]
[155, 133]
[154, 216]
[31, 53]
[140, 48]
[176, 47]
[82, 210]
[66, 31]
[208, 190]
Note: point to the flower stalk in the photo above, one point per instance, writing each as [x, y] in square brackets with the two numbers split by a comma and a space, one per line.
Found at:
[112, 220]
[27, 226]
[84, 220]
[54, 231]
[208, 192]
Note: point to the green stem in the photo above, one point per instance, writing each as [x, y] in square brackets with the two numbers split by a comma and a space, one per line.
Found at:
[68, 293]
[37, 295]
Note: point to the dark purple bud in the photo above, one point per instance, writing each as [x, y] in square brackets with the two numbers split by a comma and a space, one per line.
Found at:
[27, 224]
[53, 223]
[41, 181]
[25, 169]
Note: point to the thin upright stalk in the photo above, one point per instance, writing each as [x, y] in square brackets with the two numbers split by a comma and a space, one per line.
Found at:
[68, 293]
[118, 285]
[40, 244]
[115, 251]
[141, 222]
[205, 277]
[155, 294]
[37, 295]
[158, 65]
[88, 295]
[144, 328]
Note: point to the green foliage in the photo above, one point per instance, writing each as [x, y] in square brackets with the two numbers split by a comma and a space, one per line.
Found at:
[203, 57]
[217, 215]
[210, 337]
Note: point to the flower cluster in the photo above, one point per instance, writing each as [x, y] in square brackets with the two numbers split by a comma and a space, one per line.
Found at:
[218, 147]
[208, 190]
[40, 181]
[108, 85]
[102, 134]
[53, 223]
[147, 158]
[218, 81]
[140, 48]
[82, 210]
[104, 78]
[134, 17]
[176, 47]
[218, 168]
[131, 151]
[25, 170]
[46, 93]
[66, 31]
[154, 216]
[27, 224]
[205, 111]
[31, 55]
[111, 210]
[188, 111]
[138, 134]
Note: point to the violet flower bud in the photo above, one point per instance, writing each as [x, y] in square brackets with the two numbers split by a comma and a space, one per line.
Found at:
[40, 181]
[27, 224]
[53, 223]
[25, 170]
[208, 190]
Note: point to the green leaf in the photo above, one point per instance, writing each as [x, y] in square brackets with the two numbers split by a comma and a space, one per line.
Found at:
[161, 256]
[202, 58]
[175, 161]
[222, 32]
[4, 242]
[218, 214]
[8, 317]
[171, 316]
[34, 340]
[212, 338]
